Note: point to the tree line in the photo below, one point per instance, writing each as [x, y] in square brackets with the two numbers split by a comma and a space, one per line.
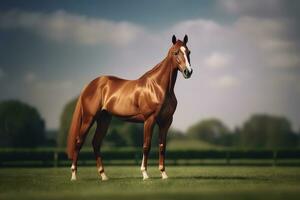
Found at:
[259, 131]
[22, 126]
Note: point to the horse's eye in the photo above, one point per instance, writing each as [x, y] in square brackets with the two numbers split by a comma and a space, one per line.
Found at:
[176, 53]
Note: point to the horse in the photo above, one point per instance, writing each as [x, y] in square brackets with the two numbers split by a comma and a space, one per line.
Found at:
[149, 99]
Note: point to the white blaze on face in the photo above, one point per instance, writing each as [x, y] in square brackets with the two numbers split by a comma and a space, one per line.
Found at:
[188, 66]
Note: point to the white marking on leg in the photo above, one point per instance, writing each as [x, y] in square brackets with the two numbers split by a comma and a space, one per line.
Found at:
[145, 175]
[143, 168]
[74, 177]
[100, 169]
[144, 171]
[73, 169]
[103, 176]
[164, 175]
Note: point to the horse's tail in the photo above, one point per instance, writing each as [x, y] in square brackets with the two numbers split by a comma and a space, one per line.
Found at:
[74, 128]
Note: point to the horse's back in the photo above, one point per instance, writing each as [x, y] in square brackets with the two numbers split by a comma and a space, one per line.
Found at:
[120, 97]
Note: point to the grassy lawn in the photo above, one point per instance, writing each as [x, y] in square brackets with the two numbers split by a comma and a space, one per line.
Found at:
[126, 183]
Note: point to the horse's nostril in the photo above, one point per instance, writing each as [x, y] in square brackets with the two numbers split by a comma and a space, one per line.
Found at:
[185, 71]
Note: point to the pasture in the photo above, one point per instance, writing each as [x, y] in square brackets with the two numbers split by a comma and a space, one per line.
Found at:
[185, 182]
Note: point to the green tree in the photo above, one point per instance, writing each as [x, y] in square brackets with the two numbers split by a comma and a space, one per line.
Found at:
[236, 137]
[210, 130]
[298, 140]
[174, 134]
[65, 121]
[266, 131]
[132, 134]
[114, 138]
[20, 125]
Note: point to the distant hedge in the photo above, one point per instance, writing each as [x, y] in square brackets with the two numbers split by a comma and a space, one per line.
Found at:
[28, 157]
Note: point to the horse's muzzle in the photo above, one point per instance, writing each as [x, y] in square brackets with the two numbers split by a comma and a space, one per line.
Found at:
[186, 73]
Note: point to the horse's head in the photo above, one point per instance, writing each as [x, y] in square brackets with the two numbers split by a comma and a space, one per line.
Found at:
[181, 55]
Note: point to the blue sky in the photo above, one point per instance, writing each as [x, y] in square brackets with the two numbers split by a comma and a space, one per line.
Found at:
[245, 54]
[151, 13]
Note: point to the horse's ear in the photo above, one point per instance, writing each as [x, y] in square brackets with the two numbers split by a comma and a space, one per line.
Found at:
[185, 39]
[174, 39]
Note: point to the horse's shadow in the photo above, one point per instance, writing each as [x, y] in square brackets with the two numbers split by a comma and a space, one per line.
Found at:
[187, 177]
[116, 178]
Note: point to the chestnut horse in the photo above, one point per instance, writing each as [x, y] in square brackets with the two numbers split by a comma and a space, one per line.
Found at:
[149, 100]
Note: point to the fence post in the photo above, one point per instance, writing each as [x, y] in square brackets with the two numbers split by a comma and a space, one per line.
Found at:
[228, 157]
[274, 158]
[55, 159]
[137, 158]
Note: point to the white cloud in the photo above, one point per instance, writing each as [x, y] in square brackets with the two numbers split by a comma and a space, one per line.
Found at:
[66, 84]
[284, 60]
[271, 37]
[46, 85]
[203, 32]
[62, 26]
[253, 7]
[53, 85]
[225, 81]
[271, 26]
[30, 77]
[217, 60]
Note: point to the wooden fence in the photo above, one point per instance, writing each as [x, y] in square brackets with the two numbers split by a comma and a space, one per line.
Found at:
[23, 158]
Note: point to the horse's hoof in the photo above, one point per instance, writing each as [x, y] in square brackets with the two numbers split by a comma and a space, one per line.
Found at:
[103, 177]
[145, 176]
[73, 178]
[164, 175]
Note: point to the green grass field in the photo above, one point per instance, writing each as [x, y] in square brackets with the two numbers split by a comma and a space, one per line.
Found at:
[126, 183]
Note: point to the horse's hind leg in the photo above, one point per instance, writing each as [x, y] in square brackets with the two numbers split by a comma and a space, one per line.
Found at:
[87, 122]
[102, 125]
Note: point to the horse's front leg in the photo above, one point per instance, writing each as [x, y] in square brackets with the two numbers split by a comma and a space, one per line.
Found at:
[148, 129]
[163, 130]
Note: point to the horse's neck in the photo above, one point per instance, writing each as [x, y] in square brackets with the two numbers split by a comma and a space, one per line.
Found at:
[164, 74]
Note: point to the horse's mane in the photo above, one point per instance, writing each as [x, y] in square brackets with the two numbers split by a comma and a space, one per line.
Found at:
[155, 68]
